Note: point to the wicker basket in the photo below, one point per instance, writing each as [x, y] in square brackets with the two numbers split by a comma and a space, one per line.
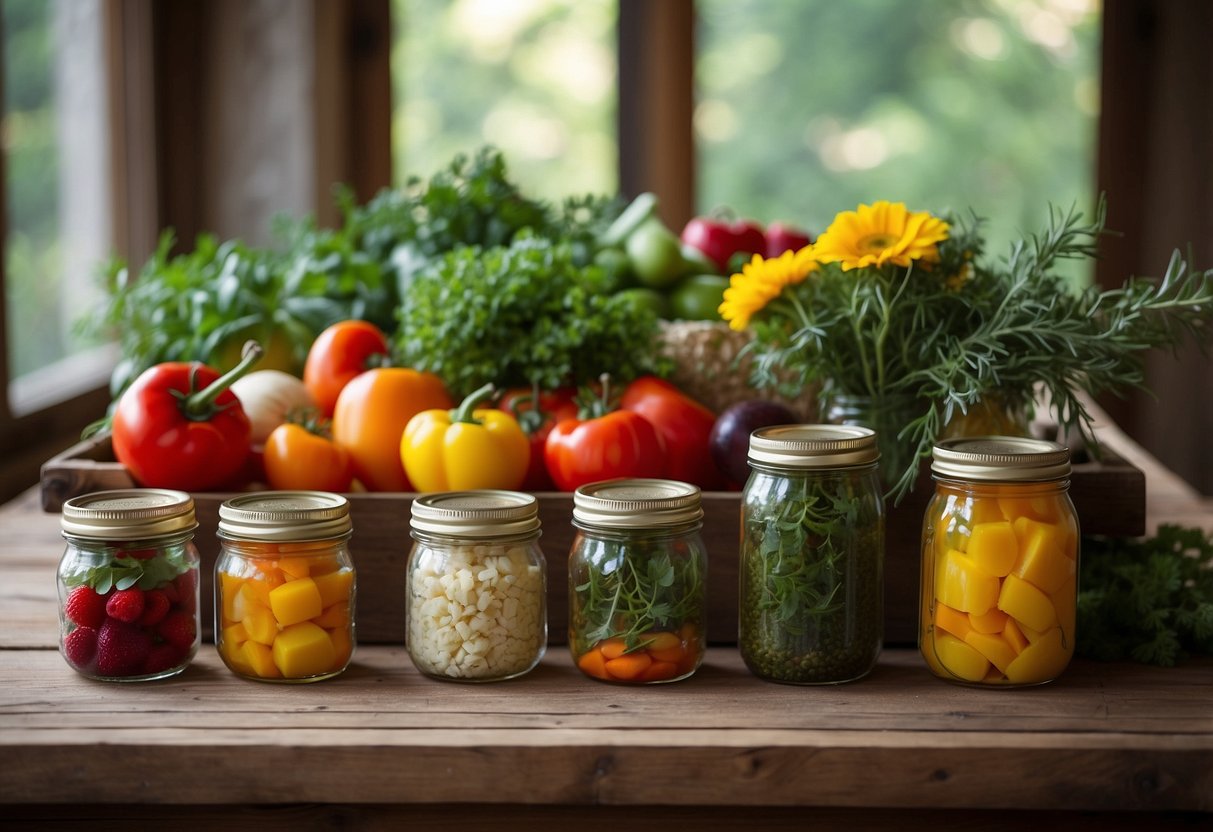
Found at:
[708, 367]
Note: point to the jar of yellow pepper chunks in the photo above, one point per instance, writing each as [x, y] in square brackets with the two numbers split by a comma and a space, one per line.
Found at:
[284, 586]
[999, 562]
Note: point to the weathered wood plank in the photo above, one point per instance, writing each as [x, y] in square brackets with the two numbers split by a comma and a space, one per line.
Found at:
[1103, 737]
[457, 817]
[381, 689]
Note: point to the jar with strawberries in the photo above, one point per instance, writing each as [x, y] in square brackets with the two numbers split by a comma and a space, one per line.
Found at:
[128, 584]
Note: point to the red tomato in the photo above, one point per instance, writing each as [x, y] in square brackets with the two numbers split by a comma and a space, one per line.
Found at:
[554, 406]
[344, 350]
[298, 459]
[685, 427]
[371, 414]
[619, 444]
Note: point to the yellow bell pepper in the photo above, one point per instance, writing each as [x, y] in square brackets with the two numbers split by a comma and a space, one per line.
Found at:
[465, 448]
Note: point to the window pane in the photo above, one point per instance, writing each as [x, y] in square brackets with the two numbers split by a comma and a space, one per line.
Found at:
[57, 185]
[535, 78]
[809, 108]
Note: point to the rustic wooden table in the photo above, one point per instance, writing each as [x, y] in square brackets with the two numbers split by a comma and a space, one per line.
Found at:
[1107, 746]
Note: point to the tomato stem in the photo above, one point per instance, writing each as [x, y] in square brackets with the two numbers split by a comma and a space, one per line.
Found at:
[199, 406]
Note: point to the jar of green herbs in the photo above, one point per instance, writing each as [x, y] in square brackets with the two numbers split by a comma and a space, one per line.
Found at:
[637, 576]
[812, 554]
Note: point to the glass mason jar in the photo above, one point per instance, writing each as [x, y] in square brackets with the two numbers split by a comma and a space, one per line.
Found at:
[128, 584]
[637, 581]
[999, 562]
[285, 586]
[812, 555]
[477, 586]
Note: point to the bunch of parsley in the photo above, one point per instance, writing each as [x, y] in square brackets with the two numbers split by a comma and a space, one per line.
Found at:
[521, 315]
[1148, 600]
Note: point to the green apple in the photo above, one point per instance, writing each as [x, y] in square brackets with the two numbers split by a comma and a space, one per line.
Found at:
[698, 297]
[656, 255]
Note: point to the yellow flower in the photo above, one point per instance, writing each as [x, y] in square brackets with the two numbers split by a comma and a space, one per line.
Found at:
[879, 234]
[761, 281]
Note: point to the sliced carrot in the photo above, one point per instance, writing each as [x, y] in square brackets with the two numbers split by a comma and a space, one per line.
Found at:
[654, 642]
[593, 664]
[659, 671]
[629, 666]
[671, 654]
[690, 659]
[612, 648]
[689, 633]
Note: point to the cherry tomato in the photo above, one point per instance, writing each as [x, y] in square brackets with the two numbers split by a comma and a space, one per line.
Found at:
[299, 459]
[371, 414]
[619, 444]
[344, 350]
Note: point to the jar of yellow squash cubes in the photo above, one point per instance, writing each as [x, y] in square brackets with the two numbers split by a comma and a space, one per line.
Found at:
[284, 586]
[999, 562]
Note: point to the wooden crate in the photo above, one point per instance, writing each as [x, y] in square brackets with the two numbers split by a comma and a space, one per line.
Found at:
[1109, 496]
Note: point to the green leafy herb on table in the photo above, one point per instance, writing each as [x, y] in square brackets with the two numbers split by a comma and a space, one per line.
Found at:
[1147, 600]
[520, 315]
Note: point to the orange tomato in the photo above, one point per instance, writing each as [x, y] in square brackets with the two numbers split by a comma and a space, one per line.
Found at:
[371, 414]
[297, 459]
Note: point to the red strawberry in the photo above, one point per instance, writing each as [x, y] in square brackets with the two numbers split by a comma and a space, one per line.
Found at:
[125, 605]
[163, 657]
[187, 589]
[80, 647]
[169, 588]
[178, 629]
[121, 649]
[85, 607]
[155, 607]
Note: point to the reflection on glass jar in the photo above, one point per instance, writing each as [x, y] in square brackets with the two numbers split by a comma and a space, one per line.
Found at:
[999, 563]
[637, 581]
[477, 596]
[285, 586]
[812, 555]
[128, 584]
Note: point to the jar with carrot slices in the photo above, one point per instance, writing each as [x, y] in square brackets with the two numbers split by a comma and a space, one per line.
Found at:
[285, 586]
[637, 578]
[812, 554]
[999, 563]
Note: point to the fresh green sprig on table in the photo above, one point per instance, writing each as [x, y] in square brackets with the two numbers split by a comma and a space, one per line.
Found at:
[1148, 600]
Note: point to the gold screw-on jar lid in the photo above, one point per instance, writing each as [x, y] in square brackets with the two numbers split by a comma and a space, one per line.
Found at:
[128, 514]
[480, 514]
[1001, 459]
[637, 503]
[285, 516]
[813, 446]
